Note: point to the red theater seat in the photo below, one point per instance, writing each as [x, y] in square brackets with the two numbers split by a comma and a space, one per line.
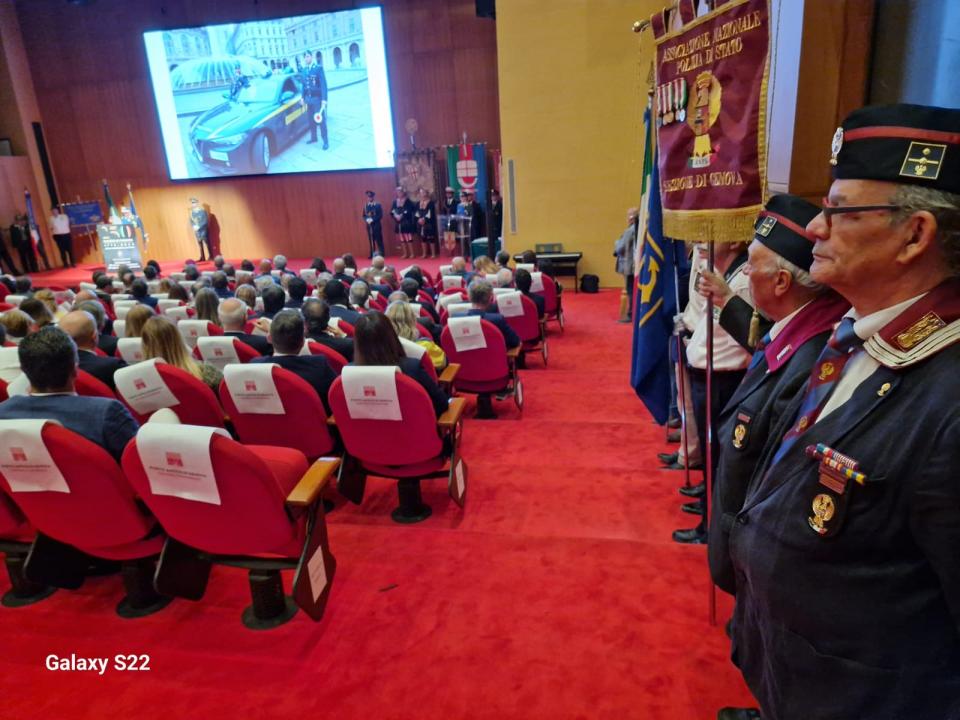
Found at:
[334, 359]
[531, 330]
[87, 384]
[16, 537]
[198, 405]
[486, 371]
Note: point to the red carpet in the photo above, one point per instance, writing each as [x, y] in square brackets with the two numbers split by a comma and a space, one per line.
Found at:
[556, 594]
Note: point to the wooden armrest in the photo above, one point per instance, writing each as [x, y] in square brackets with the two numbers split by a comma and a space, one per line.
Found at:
[449, 373]
[313, 482]
[514, 353]
[451, 416]
[332, 421]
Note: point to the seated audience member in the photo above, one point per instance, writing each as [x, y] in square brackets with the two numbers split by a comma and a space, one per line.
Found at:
[247, 266]
[405, 323]
[205, 302]
[233, 317]
[387, 284]
[280, 263]
[221, 285]
[349, 261]
[156, 266]
[264, 271]
[127, 279]
[191, 272]
[107, 343]
[150, 272]
[49, 360]
[546, 267]
[481, 295]
[141, 294]
[23, 285]
[316, 315]
[359, 294]
[411, 288]
[273, 300]
[218, 262]
[459, 267]
[319, 265]
[336, 296]
[338, 271]
[524, 280]
[161, 339]
[38, 311]
[17, 325]
[297, 287]
[136, 319]
[178, 292]
[503, 260]
[104, 285]
[50, 300]
[230, 271]
[287, 337]
[504, 277]
[248, 295]
[82, 327]
[375, 343]
[528, 257]
[485, 265]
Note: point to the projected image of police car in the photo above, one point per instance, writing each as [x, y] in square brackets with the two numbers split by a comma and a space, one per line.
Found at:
[255, 123]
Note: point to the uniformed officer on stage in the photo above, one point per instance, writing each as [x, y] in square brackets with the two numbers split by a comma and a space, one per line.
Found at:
[315, 91]
[373, 217]
[199, 221]
[846, 552]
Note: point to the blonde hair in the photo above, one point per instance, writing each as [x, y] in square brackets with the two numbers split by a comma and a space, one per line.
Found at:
[49, 299]
[135, 319]
[248, 295]
[161, 339]
[485, 265]
[16, 322]
[403, 320]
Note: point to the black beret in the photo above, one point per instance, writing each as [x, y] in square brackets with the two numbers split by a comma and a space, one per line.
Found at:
[782, 227]
[914, 144]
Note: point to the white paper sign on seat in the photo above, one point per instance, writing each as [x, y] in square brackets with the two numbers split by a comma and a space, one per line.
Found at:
[334, 322]
[497, 292]
[536, 282]
[120, 328]
[412, 349]
[493, 280]
[458, 309]
[130, 349]
[510, 304]
[153, 286]
[447, 299]
[529, 267]
[166, 303]
[446, 270]
[160, 296]
[178, 276]
[142, 387]
[350, 271]
[122, 309]
[118, 297]
[467, 333]
[25, 461]
[191, 330]
[9, 363]
[309, 276]
[88, 286]
[452, 281]
[187, 285]
[177, 460]
[252, 388]
[14, 300]
[218, 351]
[371, 392]
[118, 285]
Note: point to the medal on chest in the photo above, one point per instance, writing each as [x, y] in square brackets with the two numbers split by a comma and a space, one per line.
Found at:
[832, 498]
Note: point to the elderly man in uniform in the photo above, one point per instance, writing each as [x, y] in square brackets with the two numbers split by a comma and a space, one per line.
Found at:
[845, 552]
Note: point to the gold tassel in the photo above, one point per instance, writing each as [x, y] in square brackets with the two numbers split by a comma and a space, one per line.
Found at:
[624, 305]
[753, 338]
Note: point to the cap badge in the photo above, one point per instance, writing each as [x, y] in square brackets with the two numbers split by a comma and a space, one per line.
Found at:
[923, 160]
[766, 226]
[836, 145]
[823, 511]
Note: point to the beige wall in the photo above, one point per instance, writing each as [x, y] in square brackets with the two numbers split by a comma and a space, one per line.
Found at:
[573, 86]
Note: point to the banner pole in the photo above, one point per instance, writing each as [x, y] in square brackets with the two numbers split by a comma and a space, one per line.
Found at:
[681, 371]
[708, 467]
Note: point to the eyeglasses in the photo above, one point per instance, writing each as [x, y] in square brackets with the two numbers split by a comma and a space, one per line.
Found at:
[829, 210]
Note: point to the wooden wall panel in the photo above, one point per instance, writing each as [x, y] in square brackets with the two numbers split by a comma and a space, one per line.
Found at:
[90, 73]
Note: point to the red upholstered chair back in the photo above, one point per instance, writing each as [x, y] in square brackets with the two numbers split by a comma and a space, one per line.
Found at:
[550, 302]
[335, 360]
[90, 386]
[526, 326]
[424, 333]
[250, 517]
[198, 403]
[100, 509]
[378, 303]
[483, 365]
[12, 521]
[3, 390]
[346, 327]
[411, 440]
[303, 425]
[244, 351]
[451, 291]
[5, 306]
[423, 297]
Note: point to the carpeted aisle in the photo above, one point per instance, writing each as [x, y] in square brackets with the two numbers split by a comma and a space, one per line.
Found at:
[556, 594]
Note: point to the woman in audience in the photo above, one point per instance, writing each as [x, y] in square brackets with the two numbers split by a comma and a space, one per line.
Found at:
[319, 265]
[17, 325]
[49, 299]
[136, 319]
[177, 292]
[405, 323]
[38, 311]
[248, 295]
[485, 265]
[164, 286]
[350, 261]
[206, 303]
[375, 342]
[161, 339]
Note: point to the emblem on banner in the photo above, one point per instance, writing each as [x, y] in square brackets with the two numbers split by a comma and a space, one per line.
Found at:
[703, 109]
[467, 170]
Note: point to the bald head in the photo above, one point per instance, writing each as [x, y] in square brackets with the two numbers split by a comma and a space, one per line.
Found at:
[84, 295]
[339, 265]
[233, 314]
[81, 326]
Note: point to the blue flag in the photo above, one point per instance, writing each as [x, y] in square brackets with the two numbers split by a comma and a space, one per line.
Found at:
[32, 220]
[655, 303]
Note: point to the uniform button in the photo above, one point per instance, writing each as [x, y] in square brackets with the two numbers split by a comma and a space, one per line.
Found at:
[742, 519]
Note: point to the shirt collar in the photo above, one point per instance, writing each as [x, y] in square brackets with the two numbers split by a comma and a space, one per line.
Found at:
[779, 325]
[867, 325]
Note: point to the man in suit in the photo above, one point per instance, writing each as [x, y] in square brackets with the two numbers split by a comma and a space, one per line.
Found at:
[524, 281]
[140, 293]
[316, 315]
[481, 295]
[221, 285]
[49, 360]
[6, 261]
[336, 296]
[287, 337]
[106, 342]
[273, 300]
[81, 326]
[845, 550]
[21, 241]
[297, 288]
[233, 320]
[339, 271]
[472, 209]
[496, 223]
[315, 92]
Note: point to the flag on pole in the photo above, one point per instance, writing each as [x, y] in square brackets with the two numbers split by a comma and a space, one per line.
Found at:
[136, 216]
[111, 207]
[655, 302]
[34, 228]
[467, 169]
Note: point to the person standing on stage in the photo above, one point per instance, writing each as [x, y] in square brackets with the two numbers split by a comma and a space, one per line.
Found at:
[6, 261]
[624, 250]
[22, 242]
[403, 209]
[496, 223]
[199, 221]
[473, 210]
[373, 217]
[60, 229]
[845, 551]
[449, 208]
[315, 91]
[426, 216]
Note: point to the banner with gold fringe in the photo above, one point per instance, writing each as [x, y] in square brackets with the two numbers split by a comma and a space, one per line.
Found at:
[711, 109]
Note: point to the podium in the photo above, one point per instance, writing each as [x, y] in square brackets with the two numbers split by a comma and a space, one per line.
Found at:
[119, 245]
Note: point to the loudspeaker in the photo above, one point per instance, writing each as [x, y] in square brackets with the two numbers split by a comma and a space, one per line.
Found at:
[487, 8]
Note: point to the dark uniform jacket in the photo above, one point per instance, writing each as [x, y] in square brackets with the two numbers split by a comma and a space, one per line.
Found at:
[863, 621]
[406, 209]
[754, 410]
[258, 342]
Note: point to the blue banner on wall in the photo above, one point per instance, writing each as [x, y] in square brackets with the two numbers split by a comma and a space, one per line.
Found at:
[84, 213]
